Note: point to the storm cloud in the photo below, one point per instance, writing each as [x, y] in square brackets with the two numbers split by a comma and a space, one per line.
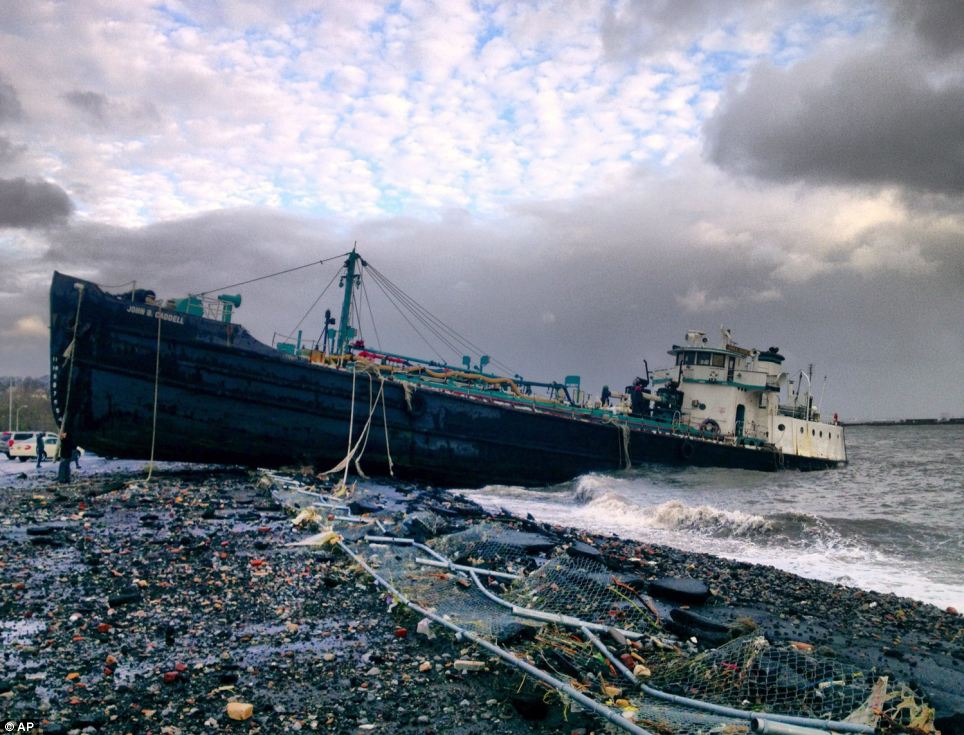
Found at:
[874, 113]
[9, 151]
[10, 107]
[30, 204]
[939, 24]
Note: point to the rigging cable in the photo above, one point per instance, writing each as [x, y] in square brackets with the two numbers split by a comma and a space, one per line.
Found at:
[271, 275]
[371, 314]
[427, 316]
[389, 287]
[427, 343]
[354, 305]
[310, 308]
[418, 311]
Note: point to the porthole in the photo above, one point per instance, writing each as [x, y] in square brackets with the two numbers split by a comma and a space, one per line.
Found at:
[813, 432]
[781, 427]
[801, 429]
[821, 434]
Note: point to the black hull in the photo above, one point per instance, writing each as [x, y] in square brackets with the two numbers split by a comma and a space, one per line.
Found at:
[225, 398]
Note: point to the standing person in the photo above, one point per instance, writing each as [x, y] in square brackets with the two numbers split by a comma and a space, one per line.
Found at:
[41, 449]
[75, 456]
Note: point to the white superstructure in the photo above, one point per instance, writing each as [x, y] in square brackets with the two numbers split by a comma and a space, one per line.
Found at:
[736, 393]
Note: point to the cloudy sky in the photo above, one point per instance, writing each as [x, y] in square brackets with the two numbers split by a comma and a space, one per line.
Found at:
[571, 185]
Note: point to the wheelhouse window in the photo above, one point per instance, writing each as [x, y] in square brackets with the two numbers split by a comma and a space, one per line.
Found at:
[702, 358]
[717, 359]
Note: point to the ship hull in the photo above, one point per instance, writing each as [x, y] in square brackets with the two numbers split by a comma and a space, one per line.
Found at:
[133, 381]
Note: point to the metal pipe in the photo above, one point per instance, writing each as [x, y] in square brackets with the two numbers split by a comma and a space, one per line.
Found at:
[759, 724]
[604, 650]
[719, 709]
[389, 540]
[546, 617]
[406, 542]
[461, 568]
[601, 710]
[430, 551]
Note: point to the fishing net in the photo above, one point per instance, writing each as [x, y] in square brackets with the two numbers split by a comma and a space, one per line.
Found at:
[534, 596]
[452, 596]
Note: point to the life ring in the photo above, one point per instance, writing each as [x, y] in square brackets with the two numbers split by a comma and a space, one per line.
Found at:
[710, 426]
[687, 450]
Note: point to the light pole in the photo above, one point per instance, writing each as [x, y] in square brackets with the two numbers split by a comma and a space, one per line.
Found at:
[18, 416]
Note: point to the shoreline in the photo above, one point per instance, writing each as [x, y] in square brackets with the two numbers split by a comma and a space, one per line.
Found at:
[214, 599]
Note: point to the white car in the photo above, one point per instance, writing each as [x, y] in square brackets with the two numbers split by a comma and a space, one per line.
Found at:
[23, 446]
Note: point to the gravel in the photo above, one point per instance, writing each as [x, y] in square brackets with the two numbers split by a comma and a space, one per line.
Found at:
[135, 608]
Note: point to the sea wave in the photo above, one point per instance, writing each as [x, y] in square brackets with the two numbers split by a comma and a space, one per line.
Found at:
[596, 495]
[678, 516]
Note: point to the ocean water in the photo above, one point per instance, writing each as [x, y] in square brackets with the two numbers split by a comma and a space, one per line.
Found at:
[891, 521]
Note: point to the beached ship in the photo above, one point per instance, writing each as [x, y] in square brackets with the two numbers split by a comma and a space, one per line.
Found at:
[137, 378]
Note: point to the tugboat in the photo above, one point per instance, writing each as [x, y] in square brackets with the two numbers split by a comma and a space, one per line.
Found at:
[734, 393]
[135, 377]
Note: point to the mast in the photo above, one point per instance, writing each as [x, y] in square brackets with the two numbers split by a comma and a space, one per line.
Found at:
[348, 282]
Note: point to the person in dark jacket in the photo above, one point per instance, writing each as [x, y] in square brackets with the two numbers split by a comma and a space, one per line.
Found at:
[41, 449]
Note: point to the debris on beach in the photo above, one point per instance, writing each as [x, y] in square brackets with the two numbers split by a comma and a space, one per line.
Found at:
[177, 605]
[542, 602]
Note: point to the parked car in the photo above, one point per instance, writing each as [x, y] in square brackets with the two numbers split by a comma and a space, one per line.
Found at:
[17, 437]
[23, 445]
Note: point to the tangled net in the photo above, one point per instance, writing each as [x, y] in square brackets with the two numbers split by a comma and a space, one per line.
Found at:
[538, 598]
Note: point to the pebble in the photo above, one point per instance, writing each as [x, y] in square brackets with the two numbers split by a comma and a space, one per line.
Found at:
[305, 622]
[240, 710]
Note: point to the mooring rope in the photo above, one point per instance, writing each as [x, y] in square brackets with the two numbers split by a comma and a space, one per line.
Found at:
[623, 440]
[388, 449]
[356, 451]
[157, 375]
[365, 431]
[72, 347]
[351, 427]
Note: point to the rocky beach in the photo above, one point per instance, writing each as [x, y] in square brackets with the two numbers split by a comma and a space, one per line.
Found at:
[178, 605]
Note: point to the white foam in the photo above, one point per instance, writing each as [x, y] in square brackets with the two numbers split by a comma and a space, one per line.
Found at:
[819, 552]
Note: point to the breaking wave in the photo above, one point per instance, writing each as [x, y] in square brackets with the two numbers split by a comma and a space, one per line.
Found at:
[676, 515]
[596, 495]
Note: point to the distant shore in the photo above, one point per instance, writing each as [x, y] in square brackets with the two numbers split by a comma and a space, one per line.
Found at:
[905, 422]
